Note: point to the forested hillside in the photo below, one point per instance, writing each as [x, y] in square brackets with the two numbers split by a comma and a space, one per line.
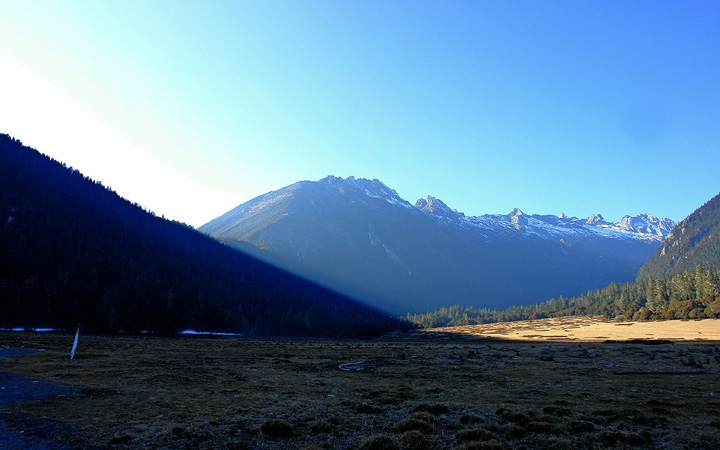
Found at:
[73, 251]
[694, 241]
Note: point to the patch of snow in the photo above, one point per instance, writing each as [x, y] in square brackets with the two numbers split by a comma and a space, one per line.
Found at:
[208, 333]
[395, 201]
[370, 194]
[316, 208]
[640, 227]
[372, 239]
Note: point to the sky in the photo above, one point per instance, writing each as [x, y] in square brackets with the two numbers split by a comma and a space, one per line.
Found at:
[193, 107]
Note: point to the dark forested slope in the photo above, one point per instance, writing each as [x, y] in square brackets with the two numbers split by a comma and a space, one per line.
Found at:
[693, 242]
[72, 251]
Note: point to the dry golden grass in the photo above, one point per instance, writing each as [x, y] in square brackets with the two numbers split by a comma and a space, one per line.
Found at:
[439, 392]
[592, 329]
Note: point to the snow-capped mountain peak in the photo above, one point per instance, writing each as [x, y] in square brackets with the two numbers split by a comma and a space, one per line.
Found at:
[643, 227]
[360, 237]
[374, 188]
[437, 207]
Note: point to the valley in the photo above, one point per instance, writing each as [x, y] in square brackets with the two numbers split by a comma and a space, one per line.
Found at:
[242, 225]
[418, 390]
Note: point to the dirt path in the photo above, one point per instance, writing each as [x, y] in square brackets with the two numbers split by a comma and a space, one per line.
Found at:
[21, 432]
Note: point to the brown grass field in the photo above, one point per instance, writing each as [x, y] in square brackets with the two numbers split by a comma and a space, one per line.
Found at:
[426, 390]
[592, 329]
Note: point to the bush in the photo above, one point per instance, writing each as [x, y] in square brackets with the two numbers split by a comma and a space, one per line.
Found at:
[410, 424]
[415, 440]
[365, 408]
[471, 419]
[582, 426]
[320, 426]
[488, 445]
[379, 442]
[432, 408]
[473, 434]
[276, 428]
[518, 418]
[427, 417]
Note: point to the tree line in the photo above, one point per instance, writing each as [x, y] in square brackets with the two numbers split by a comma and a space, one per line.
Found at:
[690, 294]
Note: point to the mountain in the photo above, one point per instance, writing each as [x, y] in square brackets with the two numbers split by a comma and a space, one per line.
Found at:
[361, 238]
[72, 251]
[693, 242]
[681, 281]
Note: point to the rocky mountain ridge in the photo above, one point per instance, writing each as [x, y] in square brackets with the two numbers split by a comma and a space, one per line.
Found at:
[360, 237]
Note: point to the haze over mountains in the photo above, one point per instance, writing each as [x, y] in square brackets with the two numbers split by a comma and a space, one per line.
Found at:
[681, 281]
[359, 237]
[73, 252]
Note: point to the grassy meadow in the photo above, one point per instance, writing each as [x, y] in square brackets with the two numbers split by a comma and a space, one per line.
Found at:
[423, 390]
[592, 329]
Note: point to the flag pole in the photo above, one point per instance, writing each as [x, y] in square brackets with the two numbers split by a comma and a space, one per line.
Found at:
[72, 352]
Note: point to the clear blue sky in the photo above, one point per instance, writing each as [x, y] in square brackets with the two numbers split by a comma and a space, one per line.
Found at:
[580, 107]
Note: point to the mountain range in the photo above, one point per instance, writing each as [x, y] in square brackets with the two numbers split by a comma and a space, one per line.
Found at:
[359, 237]
[681, 281]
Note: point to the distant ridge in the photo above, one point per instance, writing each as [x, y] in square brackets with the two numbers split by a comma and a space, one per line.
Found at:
[693, 242]
[681, 281]
[72, 251]
[361, 238]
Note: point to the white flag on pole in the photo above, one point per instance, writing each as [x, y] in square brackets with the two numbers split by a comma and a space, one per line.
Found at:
[72, 352]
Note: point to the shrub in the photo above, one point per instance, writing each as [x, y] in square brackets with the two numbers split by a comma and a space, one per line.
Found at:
[379, 442]
[473, 434]
[556, 411]
[613, 437]
[560, 443]
[582, 426]
[425, 416]
[414, 440]
[276, 428]
[432, 408]
[487, 445]
[410, 424]
[320, 426]
[365, 408]
[471, 419]
[543, 428]
[516, 431]
[518, 418]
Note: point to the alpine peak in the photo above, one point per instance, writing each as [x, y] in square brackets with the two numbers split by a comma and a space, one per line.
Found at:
[359, 237]
[437, 207]
[595, 219]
